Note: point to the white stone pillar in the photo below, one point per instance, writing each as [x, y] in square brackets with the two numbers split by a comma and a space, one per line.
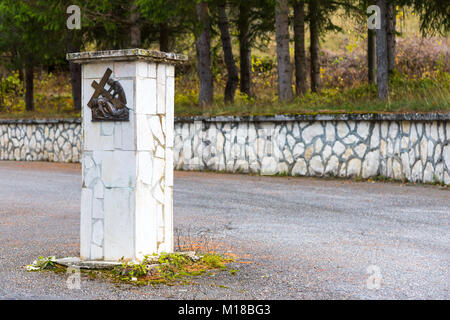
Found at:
[127, 166]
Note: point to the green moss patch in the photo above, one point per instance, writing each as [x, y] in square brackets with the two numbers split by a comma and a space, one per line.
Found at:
[168, 269]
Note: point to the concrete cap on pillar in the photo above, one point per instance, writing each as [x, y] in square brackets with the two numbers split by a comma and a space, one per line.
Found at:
[127, 54]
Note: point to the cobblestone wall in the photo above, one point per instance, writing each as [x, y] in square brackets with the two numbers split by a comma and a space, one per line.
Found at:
[40, 140]
[416, 150]
[402, 147]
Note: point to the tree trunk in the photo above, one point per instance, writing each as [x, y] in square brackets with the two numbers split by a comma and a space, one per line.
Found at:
[21, 75]
[283, 57]
[233, 75]
[203, 44]
[372, 55]
[382, 54]
[245, 53]
[299, 40]
[135, 30]
[75, 71]
[314, 48]
[29, 87]
[1, 95]
[390, 30]
[163, 37]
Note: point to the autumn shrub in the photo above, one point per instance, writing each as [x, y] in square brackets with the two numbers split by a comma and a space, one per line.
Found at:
[10, 91]
[420, 83]
[416, 58]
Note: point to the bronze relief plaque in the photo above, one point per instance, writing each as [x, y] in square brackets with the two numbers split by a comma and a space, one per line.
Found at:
[108, 104]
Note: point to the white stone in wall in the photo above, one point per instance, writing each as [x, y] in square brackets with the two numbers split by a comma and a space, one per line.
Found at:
[220, 140]
[363, 129]
[251, 132]
[434, 131]
[316, 166]
[430, 149]
[405, 165]
[281, 137]
[404, 142]
[255, 167]
[298, 150]
[375, 136]
[428, 173]
[437, 153]
[384, 127]
[397, 169]
[354, 168]
[242, 133]
[332, 166]
[288, 155]
[351, 124]
[296, 130]
[318, 145]
[371, 164]
[413, 134]
[309, 152]
[338, 148]
[268, 166]
[383, 148]
[446, 156]
[360, 150]
[406, 126]
[393, 130]
[342, 129]
[282, 168]
[441, 131]
[350, 139]
[420, 128]
[300, 168]
[343, 170]
[291, 141]
[446, 177]
[412, 157]
[330, 132]
[312, 131]
[416, 172]
[326, 153]
[423, 150]
[241, 166]
[388, 172]
[348, 153]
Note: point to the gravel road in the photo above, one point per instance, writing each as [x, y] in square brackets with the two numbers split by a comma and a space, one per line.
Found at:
[295, 238]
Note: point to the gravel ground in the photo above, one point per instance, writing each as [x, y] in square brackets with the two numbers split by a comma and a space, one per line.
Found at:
[295, 238]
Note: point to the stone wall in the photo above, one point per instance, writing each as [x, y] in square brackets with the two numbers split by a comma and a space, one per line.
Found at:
[413, 147]
[402, 147]
[56, 140]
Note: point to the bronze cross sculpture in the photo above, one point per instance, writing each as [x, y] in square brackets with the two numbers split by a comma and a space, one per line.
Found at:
[108, 105]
